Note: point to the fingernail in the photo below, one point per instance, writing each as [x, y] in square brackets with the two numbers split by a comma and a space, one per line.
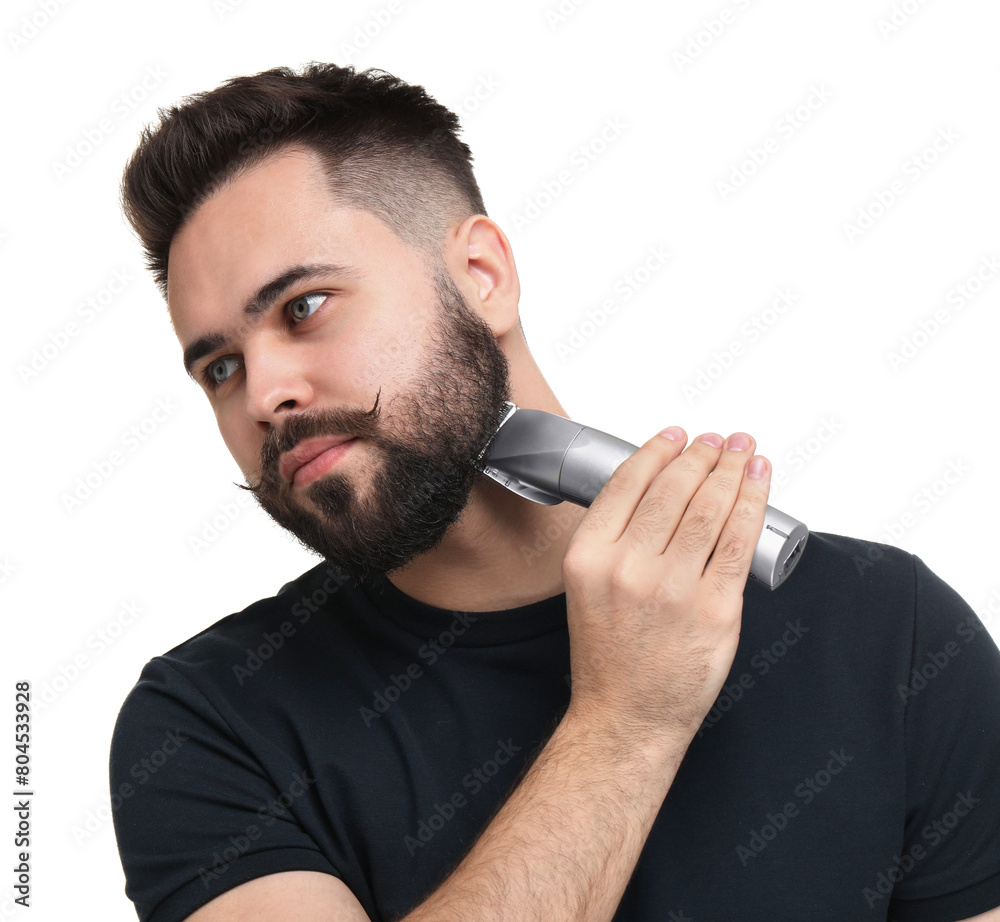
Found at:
[712, 439]
[738, 441]
[757, 469]
[674, 432]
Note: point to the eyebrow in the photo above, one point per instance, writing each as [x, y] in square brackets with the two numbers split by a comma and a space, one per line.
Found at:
[261, 302]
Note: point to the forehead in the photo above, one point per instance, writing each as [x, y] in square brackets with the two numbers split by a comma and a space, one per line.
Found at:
[277, 214]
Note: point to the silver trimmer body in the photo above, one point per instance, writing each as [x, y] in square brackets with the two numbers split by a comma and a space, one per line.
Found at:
[548, 459]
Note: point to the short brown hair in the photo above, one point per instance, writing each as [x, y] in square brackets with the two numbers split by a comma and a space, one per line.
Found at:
[387, 147]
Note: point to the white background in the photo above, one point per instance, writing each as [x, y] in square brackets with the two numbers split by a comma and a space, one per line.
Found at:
[535, 89]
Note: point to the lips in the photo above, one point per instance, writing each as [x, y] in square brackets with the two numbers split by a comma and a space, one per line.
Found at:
[306, 451]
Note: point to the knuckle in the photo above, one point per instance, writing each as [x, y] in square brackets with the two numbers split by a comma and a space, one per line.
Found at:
[621, 576]
[729, 557]
[744, 510]
[720, 585]
[725, 575]
[720, 611]
[668, 593]
[695, 532]
[701, 510]
[687, 466]
[650, 517]
[728, 565]
[723, 482]
[577, 560]
[667, 497]
[642, 532]
[725, 579]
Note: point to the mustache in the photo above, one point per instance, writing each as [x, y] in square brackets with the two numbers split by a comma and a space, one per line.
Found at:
[303, 426]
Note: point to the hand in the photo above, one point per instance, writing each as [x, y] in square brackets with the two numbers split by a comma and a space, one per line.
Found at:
[654, 577]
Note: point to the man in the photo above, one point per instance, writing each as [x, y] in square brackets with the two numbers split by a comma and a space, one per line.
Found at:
[439, 723]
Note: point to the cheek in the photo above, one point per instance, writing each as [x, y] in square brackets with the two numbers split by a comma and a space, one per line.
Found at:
[243, 443]
[391, 354]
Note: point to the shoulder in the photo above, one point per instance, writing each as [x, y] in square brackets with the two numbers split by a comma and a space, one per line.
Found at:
[864, 589]
[282, 615]
[854, 566]
[840, 566]
[206, 745]
[854, 587]
[210, 670]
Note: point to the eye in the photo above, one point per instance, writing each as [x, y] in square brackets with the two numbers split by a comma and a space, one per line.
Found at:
[220, 370]
[299, 307]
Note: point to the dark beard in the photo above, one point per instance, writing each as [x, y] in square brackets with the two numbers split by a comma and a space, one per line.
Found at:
[422, 486]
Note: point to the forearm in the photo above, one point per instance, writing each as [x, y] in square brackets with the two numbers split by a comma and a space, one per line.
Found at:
[564, 845]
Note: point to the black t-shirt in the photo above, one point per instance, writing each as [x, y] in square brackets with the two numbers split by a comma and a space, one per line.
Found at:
[848, 770]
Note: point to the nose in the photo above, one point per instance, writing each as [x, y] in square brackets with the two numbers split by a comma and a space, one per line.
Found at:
[276, 383]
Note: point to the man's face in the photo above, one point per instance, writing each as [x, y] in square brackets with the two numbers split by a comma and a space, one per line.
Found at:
[370, 348]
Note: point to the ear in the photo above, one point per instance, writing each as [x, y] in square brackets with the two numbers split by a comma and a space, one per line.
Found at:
[479, 257]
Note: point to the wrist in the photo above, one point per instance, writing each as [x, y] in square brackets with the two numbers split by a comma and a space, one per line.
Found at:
[621, 740]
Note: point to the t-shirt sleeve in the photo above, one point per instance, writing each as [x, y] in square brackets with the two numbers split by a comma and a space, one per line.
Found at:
[195, 814]
[949, 865]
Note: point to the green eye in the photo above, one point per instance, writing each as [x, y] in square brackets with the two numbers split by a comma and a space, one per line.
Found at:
[299, 308]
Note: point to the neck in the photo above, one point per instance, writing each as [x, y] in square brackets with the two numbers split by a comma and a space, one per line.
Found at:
[504, 552]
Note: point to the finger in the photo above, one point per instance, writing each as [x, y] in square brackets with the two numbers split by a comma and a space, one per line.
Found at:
[727, 572]
[697, 533]
[663, 506]
[610, 512]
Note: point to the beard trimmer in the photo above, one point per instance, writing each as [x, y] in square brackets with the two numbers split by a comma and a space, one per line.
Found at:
[548, 459]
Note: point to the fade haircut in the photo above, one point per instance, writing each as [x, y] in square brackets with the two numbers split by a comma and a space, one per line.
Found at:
[387, 147]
